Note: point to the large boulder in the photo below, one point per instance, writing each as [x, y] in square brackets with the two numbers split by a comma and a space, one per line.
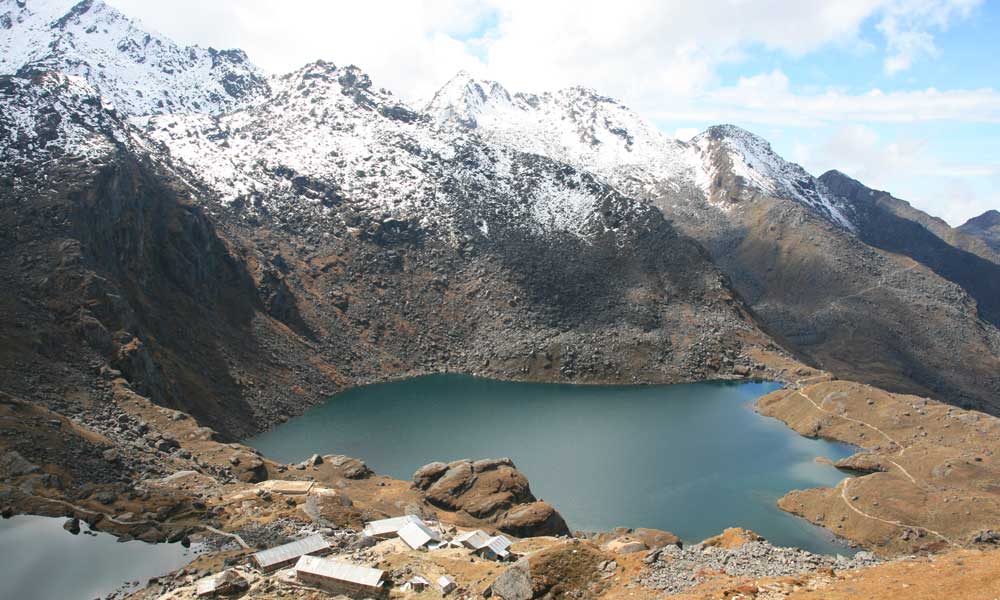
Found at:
[490, 489]
[481, 488]
[248, 467]
[534, 519]
[347, 466]
[656, 538]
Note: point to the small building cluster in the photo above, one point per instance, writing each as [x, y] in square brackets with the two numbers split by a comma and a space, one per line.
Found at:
[495, 547]
[305, 560]
[416, 534]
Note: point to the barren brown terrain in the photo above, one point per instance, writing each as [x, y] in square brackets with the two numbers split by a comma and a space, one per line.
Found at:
[931, 474]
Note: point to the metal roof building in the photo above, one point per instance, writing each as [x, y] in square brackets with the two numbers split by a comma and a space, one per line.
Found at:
[497, 547]
[286, 555]
[340, 577]
[472, 539]
[386, 528]
[417, 535]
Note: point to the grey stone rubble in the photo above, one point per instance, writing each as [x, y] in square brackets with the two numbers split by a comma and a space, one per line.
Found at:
[673, 570]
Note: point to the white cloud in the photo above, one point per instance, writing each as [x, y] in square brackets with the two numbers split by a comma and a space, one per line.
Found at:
[647, 52]
[908, 24]
[768, 98]
[410, 48]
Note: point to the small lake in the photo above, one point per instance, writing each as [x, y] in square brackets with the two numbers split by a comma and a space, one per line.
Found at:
[692, 459]
[40, 560]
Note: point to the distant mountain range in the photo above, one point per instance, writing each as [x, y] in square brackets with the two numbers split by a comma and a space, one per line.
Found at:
[239, 245]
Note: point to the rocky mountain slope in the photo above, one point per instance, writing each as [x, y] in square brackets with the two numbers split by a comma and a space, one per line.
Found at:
[867, 199]
[139, 72]
[410, 252]
[985, 227]
[890, 224]
[790, 245]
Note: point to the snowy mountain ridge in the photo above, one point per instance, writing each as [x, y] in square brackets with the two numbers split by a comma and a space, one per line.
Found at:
[594, 132]
[327, 137]
[575, 125]
[140, 73]
[50, 115]
[760, 168]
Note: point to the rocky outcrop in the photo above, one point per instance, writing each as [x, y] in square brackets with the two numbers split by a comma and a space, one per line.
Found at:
[569, 570]
[536, 518]
[733, 537]
[674, 570]
[624, 540]
[481, 488]
[489, 489]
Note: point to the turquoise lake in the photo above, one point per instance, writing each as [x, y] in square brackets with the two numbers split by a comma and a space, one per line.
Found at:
[692, 459]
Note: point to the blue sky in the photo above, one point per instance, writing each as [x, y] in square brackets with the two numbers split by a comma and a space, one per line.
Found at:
[956, 162]
[901, 94]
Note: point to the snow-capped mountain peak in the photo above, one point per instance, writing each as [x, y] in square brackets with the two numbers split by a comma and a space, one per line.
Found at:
[578, 126]
[760, 168]
[140, 72]
[464, 99]
[573, 125]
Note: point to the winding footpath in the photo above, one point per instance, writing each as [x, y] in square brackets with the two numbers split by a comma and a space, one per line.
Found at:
[846, 483]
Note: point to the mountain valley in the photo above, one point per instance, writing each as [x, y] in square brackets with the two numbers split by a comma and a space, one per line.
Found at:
[195, 251]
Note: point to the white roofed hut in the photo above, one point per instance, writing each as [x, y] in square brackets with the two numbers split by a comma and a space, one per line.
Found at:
[389, 528]
[472, 539]
[341, 577]
[495, 548]
[416, 584]
[447, 584]
[419, 536]
[286, 555]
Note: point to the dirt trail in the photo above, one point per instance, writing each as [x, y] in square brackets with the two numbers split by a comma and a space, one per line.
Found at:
[845, 484]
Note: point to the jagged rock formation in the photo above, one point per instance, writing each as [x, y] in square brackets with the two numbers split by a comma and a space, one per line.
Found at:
[116, 269]
[985, 227]
[789, 243]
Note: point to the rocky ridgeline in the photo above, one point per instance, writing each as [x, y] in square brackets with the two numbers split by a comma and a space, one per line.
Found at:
[672, 569]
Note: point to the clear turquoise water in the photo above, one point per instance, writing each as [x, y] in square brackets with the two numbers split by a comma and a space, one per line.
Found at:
[39, 560]
[692, 459]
